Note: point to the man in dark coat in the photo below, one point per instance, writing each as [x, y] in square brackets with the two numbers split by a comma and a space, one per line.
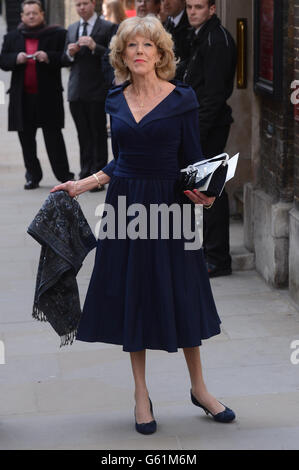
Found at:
[178, 26]
[33, 54]
[210, 71]
[85, 51]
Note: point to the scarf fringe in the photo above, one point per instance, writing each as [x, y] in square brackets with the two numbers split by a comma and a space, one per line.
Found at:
[66, 340]
[38, 314]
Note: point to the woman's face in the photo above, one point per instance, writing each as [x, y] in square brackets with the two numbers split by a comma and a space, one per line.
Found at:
[141, 55]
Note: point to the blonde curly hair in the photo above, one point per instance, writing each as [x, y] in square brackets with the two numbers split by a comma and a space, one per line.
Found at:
[151, 28]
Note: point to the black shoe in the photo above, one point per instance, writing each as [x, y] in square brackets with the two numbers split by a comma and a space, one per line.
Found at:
[215, 271]
[31, 185]
[97, 189]
[69, 177]
[225, 416]
[146, 428]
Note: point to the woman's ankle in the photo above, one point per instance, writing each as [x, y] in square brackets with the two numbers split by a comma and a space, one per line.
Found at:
[141, 392]
[199, 390]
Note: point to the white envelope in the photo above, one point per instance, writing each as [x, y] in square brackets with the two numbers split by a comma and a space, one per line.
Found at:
[207, 167]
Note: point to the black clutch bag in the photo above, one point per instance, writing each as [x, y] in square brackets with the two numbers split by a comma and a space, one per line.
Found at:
[208, 176]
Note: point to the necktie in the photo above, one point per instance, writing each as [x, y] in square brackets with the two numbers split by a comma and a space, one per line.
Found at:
[85, 24]
[170, 26]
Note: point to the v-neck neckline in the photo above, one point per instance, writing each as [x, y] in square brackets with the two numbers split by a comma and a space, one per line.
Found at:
[155, 107]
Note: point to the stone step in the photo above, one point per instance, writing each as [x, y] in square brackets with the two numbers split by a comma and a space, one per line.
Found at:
[242, 259]
[239, 199]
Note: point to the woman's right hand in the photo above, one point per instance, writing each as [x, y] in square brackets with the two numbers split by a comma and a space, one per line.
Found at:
[69, 187]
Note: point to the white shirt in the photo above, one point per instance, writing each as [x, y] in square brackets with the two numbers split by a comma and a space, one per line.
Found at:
[198, 29]
[177, 19]
[90, 24]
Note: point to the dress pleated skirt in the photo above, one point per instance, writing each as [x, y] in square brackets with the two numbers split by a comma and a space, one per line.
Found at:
[149, 293]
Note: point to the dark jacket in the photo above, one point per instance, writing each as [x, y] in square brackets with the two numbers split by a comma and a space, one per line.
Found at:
[66, 238]
[179, 36]
[210, 71]
[50, 99]
[87, 79]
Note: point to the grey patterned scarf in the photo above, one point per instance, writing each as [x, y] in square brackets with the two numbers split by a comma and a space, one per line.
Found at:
[66, 239]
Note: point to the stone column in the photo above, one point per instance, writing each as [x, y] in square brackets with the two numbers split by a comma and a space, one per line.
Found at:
[55, 12]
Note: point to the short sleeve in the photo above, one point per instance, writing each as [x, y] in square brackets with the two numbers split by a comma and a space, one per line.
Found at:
[108, 169]
[190, 148]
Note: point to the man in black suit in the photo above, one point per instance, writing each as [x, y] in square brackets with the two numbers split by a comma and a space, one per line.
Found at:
[210, 71]
[86, 48]
[178, 26]
[33, 54]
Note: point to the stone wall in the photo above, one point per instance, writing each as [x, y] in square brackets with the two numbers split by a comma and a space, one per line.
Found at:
[270, 200]
[294, 215]
[55, 12]
[70, 12]
[296, 124]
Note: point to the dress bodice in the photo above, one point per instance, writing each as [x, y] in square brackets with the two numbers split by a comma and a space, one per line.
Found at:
[163, 141]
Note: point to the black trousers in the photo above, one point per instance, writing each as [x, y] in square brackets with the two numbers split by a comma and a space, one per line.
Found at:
[216, 219]
[54, 142]
[90, 121]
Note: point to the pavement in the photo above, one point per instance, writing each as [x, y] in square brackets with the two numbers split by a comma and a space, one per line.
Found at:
[81, 396]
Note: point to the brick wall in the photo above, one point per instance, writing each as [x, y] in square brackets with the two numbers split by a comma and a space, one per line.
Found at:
[296, 123]
[277, 124]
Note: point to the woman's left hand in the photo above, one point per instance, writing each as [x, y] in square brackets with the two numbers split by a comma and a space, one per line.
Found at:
[199, 198]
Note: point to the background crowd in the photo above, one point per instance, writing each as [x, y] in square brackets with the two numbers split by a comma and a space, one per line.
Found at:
[36, 52]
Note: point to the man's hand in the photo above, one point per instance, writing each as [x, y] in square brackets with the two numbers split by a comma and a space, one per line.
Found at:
[73, 48]
[41, 56]
[87, 41]
[199, 198]
[22, 58]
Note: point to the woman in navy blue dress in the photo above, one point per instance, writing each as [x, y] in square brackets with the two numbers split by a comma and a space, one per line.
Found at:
[150, 292]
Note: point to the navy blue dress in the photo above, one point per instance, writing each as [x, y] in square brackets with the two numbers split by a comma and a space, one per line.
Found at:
[149, 293]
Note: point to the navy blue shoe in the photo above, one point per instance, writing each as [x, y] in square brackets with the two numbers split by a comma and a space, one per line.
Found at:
[225, 416]
[146, 428]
